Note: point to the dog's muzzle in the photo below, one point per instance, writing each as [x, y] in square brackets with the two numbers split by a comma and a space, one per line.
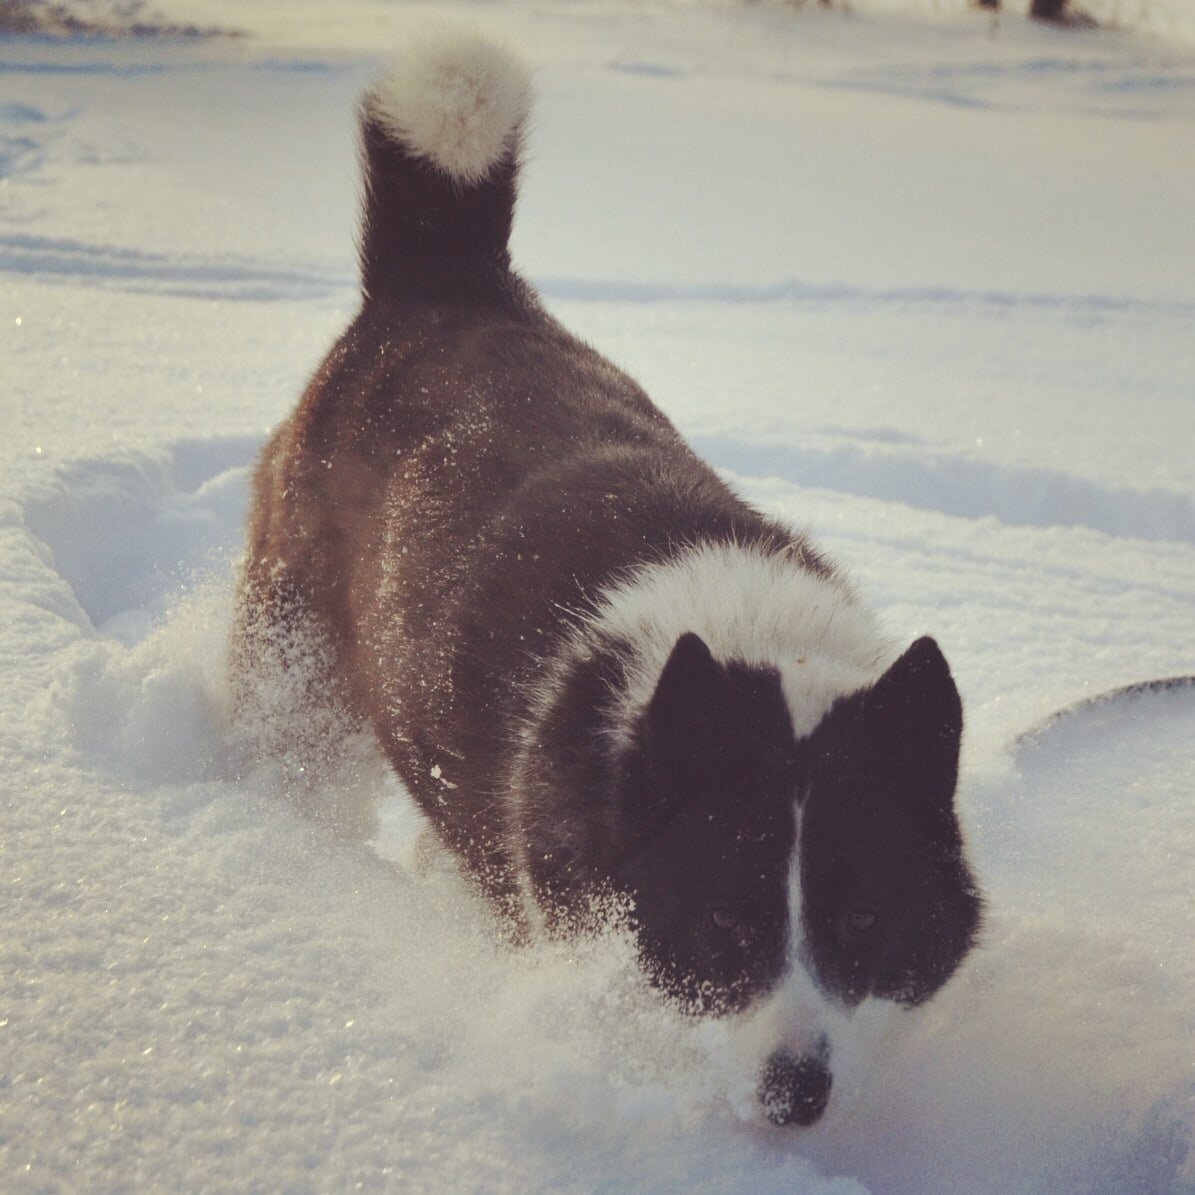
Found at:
[795, 1088]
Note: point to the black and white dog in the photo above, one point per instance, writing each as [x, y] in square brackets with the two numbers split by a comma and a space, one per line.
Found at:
[596, 669]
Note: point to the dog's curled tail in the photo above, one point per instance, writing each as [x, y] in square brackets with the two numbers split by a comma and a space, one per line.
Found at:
[441, 133]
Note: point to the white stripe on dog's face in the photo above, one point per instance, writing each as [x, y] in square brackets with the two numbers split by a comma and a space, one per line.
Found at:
[795, 1015]
[799, 1019]
[796, 901]
[806, 1014]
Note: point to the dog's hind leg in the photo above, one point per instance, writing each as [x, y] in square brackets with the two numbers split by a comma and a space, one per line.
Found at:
[290, 710]
[291, 715]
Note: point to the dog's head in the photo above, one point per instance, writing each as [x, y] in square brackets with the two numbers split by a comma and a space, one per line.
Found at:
[830, 865]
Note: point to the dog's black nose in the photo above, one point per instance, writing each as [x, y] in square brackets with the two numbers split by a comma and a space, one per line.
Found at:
[794, 1089]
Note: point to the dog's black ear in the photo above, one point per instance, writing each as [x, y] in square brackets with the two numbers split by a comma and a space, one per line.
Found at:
[917, 714]
[691, 690]
[682, 724]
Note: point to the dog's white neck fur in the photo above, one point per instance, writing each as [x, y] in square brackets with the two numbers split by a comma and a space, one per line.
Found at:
[758, 608]
[457, 100]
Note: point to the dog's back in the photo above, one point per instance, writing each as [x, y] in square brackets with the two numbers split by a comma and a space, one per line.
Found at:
[462, 475]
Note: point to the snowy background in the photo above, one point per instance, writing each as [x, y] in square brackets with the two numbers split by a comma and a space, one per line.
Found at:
[919, 280]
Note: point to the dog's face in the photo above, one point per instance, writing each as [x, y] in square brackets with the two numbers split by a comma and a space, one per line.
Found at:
[833, 864]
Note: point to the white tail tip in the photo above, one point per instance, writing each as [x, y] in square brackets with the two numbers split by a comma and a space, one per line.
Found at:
[457, 99]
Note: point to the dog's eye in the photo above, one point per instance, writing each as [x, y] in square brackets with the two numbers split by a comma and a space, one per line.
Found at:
[862, 920]
[739, 933]
[754, 837]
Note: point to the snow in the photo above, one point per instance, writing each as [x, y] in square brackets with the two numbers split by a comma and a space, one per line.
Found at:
[921, 285]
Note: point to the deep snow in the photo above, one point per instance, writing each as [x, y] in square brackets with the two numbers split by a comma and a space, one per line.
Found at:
[920, 286]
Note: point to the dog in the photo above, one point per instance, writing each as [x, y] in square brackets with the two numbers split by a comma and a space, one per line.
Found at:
[597, 670]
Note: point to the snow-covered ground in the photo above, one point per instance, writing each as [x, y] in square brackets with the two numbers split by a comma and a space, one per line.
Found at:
[922, 284]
